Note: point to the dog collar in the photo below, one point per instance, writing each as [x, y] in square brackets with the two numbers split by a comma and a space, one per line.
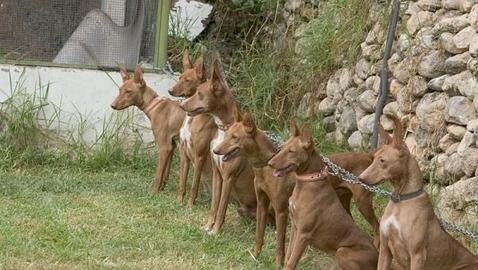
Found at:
[313, 177]
[396, 197]
[153, 104]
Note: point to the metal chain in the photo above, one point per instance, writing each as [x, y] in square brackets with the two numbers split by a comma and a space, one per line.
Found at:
[351, 178]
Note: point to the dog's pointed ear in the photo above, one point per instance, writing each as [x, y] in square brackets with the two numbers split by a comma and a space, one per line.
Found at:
[306, 137]
[187, 63]
[384, 138]
[217, 79]
[237, 115]
[398, 131]
[199, 67]
[248, 123]
[293, 130]
[138, 76]
[124, 73]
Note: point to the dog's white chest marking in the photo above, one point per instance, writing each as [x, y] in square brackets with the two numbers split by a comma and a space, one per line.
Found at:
[185, 132]
[218, 139]
[390, 222]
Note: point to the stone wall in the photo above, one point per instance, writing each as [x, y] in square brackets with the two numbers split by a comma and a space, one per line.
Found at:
[433, 88]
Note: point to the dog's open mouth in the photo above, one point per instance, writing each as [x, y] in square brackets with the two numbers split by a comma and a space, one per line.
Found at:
[284, 171]
[232, 154]
[196, 111]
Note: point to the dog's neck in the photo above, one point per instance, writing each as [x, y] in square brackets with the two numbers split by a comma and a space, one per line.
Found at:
[223, 111]
[265, 149]
[148, 95]
[411, 179]
[313, 164]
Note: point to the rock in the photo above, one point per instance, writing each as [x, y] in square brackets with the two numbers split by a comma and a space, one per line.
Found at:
[339, 137]
[387, 123]
[293, 5]
[430, 110]
[357, 80]
[457, 63]
[452, 4]
[357, 141]
[352, 93]
[475, 102]
[453, 168]
[438, 162]
[362, 68]
[458, 202]
[406, 102]
[326, 107]
[473, 17]
[473, 49]
[403, 43]
[467, 5]
[417, 85]
[333, 89]
[376, 35]
[436, 84]
[470, 160]
[446, 40]
[451, 24]
[345, 80]
[432, 64]
[305, 109]
[472, 126]
[427, 38]
[460, 110]
[373, 83]
[329, 123]
[452, 149]
[412, 145]
[419, 20]
[365, 125]
[393, 61]
[464, 83]
[429, 5]
[467, 141]
[463, 38]
[372, 52]
[392, 108]
[446, 142]
[456, 132]
[367, 101]
[402, 70]
[412, 9]
[395, 87]
[347, 123]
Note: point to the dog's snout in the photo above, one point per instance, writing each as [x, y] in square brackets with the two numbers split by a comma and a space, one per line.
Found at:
[215, 151]
[113, 106]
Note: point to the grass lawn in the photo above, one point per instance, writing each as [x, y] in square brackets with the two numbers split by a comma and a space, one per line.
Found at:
[67, 219]
[54, 218]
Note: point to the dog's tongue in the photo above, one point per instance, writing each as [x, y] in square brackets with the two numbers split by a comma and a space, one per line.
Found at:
[278, 173]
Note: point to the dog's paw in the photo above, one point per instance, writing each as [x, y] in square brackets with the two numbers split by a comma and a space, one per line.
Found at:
[207, 227]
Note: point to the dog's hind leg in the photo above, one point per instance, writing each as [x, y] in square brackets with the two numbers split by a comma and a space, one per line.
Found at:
[165, 155]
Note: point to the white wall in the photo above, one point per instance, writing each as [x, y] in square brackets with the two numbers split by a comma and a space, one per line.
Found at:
[80, 94]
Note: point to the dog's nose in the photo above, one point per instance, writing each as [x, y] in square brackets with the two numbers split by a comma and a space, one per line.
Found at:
[113, 106]
[216, 152]
[270, 164]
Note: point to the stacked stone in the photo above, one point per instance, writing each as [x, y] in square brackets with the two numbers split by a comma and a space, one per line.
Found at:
[433, 88]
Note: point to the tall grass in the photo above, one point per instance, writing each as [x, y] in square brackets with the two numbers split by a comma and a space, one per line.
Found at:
[29, 135]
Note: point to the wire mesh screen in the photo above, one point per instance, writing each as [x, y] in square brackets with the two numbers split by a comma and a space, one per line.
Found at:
[78, 32]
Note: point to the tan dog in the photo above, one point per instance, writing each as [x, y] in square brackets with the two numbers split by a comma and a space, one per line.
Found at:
[215, 98]
[196, 132]
[409, 230]
[245, 140]
[165, 115]
[317, 215]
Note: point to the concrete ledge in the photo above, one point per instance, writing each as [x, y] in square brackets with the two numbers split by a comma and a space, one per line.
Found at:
[82, 96]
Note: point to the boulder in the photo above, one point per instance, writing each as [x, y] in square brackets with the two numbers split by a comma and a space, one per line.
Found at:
[347, 123]
[452, 149]
[326, 107]
[463, 38]
[464, 83]
[329, 123]
[429, 5]
[365, 125]
[452, 24]
[472, 126]
[430, 110]
[357, 141]
[446, 142]
[446, 40]
[417, 85]
[467, 141]
[436, 84]
[456, 132]
[432, 64]
[419, 20]
[367, 101]
[362, 68]
[460, 110]
[453, 168]
[457, 202]
[457, 63]
[470, 160]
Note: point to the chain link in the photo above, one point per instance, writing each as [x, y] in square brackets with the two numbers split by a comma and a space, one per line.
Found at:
[348, 177]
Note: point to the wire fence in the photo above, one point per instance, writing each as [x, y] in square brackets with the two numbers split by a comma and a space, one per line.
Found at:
[78, 32]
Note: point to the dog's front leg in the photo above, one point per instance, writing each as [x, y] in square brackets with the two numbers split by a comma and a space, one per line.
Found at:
[384, 256]
[298, 247]
[221, 211]
[165, 154]
[418, 259]
[215, 197]
[183, 174]
[281, 224]
[198, 167]
[261, 218]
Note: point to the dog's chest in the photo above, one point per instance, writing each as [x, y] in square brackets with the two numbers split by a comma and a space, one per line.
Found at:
[185, 132]
[218, 139]
[389, 225]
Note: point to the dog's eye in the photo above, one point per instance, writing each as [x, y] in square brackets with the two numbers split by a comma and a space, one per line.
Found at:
[234, 137]
[200, 95]
[382, 160]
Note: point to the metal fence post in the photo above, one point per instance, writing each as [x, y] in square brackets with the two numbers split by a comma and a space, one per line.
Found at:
[161, 35]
